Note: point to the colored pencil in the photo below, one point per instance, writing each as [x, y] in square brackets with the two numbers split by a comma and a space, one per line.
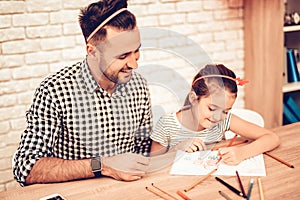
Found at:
[184, 196]
[261, 192]
[240, 183]
[235, 144]
[163, 191]
[199, 180]
[157, 193]
[250, 188]
[232, 140]
[224, 195]
[279, 160]
[233, 189]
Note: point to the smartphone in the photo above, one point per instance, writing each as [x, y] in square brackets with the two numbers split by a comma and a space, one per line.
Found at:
[53, 197]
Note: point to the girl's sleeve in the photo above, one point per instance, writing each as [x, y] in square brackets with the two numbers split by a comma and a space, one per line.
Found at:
[226, 123]
[160, 133]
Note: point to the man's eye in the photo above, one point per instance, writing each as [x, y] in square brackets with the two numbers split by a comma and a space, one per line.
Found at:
[211, 109]
[122, 57]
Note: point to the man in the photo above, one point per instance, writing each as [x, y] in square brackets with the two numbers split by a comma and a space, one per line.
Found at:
[94, 118]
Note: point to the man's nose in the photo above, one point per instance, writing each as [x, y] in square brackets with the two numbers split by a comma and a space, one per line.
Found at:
[132, 61]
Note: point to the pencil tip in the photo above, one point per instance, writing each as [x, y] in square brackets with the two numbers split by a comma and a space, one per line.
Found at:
[152, 183]
[185, 190]
[292, 166]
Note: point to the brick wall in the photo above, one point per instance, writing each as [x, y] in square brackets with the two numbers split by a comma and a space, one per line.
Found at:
[39, 37]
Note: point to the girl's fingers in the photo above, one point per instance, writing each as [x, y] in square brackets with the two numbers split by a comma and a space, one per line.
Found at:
[223, 151]
[193, 148]
[197, 145]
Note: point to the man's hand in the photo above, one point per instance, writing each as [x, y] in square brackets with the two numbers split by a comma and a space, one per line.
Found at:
[125, 167]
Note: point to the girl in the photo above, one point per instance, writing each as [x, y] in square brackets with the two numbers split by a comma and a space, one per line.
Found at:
[205, 117]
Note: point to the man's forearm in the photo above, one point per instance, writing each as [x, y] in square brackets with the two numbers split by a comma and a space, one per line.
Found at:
[48, 169]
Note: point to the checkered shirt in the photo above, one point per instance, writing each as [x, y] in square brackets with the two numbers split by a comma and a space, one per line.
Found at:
[73, 118]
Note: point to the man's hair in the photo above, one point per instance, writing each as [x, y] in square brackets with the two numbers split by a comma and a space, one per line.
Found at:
[94, 14]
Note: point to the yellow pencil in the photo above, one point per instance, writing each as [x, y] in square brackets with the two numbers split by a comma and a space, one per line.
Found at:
[261, 193]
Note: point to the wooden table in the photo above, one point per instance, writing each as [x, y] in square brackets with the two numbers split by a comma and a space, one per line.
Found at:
[281, 181]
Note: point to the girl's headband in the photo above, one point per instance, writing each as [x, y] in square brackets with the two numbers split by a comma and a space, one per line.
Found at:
[104, 22]
[238, 81]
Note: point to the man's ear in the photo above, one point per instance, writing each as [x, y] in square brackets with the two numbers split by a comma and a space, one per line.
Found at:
[90, 49]
[193, 98]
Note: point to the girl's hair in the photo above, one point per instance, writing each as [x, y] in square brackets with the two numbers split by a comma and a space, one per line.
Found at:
[95, 13]
[203, 87]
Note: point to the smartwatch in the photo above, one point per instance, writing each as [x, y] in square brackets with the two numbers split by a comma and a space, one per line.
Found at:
[96, 165]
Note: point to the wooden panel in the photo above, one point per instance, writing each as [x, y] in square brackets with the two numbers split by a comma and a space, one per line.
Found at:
[263, 23]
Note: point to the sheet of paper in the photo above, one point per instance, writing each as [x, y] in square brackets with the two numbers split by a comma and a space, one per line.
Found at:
[202, 162]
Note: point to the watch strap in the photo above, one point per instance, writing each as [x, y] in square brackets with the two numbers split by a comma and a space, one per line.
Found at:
[97, 174]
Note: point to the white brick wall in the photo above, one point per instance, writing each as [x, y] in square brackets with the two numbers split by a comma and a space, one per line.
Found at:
[39, 37]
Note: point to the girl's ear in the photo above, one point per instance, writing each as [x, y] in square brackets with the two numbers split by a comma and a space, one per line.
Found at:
[193, 98]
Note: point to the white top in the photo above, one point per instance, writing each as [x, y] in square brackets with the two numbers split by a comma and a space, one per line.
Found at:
[168, 131]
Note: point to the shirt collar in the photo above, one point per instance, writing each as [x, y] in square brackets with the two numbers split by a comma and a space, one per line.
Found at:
[88, 78]
[121, 90]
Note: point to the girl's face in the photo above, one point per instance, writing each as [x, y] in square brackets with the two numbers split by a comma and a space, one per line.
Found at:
[210, 110]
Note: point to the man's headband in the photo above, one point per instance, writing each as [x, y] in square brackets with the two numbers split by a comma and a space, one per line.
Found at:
[104, 22]
[238, 81]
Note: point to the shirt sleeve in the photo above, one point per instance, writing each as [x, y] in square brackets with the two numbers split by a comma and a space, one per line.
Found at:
[37, 139]
[142, 137]
[159, 133]
[226, 124]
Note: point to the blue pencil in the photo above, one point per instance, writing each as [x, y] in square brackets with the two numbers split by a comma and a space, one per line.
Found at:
[250, 188]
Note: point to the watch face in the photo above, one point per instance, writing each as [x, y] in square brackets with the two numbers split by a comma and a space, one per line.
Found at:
[96, 164]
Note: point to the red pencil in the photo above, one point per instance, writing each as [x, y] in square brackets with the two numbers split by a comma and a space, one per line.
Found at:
[240, 182]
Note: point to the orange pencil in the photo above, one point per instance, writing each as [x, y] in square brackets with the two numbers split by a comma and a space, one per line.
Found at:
[232, 140]
[163, 191]
[180, 193]
[237, 143]
[199, 180]
[279, 160]
[157, 193]
[154, 192]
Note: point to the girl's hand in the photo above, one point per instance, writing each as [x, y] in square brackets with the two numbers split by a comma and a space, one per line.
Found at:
[231, 155]
[196, 145]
